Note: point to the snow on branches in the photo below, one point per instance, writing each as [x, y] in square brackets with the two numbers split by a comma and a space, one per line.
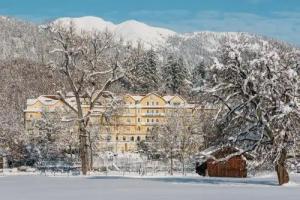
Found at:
[259, 90]
[90, 64]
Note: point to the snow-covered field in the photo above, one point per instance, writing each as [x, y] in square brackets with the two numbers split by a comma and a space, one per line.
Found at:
[164, 188]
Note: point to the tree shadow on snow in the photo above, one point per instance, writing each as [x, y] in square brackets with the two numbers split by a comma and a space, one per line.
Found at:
[198, 180]
[109, 177]
[217, 181]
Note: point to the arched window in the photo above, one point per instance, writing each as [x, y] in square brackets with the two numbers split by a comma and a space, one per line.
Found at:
[108, 139]
[138, 138]
[132, 138]
[117, 138]
[124, 138]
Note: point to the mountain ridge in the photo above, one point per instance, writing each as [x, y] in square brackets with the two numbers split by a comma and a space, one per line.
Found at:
[130, 30]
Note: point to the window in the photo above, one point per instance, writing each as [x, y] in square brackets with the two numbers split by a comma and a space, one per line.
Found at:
[132, 138]
[156, 111]
[157, 120]
[124, 138]
[152, 103]
[148, 111]
[117, 138]
[157, 103]
[139, 119]
[138, 138]
[148, 129]
[128, 120]
[139, 128]
[176, 103]
[152, 120]
[147, 103]
[147, 120]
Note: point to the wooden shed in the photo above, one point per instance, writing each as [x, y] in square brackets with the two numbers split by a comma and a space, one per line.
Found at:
[235, 166]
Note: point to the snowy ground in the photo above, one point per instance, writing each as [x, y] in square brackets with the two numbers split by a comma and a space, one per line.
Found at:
[163, 188]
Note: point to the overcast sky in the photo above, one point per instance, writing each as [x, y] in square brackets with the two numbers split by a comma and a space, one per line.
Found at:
[275, 18]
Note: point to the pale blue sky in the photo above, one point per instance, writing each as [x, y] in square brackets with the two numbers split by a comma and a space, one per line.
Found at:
[275, 18]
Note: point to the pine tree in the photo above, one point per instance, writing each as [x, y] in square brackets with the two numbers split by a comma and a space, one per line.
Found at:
[146, 78]
[199, 75]
[174, 74]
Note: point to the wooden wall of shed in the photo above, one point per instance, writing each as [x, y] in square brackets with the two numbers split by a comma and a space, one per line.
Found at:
[234, 167]
[1, 162]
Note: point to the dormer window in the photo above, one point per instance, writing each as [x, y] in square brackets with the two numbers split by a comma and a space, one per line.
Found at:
[176, 103]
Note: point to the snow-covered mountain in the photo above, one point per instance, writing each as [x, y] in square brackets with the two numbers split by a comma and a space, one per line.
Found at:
[25, 40]
[131, 31]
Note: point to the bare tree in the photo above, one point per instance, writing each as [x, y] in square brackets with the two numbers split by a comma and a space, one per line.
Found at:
[90, 64]
[180, 136]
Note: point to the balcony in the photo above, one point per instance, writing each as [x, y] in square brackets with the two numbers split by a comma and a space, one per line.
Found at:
[153, 114]
[150, 123]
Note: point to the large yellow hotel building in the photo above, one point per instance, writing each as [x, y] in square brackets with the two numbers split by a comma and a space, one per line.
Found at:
[129, 125]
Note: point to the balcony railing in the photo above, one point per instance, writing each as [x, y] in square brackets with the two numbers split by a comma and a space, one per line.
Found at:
[153, 114]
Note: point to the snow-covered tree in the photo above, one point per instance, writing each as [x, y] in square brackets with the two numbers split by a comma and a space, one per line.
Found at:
[259, 91]
[199, 74]
[90, 64]
[175, 75]
[53, 135]
[146, 78]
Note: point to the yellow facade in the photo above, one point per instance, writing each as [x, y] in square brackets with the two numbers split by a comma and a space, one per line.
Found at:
[131, 124]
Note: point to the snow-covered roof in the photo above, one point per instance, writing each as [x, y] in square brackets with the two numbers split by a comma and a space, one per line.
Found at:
[44, 99]
[214, 150]
[136, 97]
[168, 97]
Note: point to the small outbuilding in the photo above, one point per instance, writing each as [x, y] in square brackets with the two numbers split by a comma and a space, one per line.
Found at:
[221, 162]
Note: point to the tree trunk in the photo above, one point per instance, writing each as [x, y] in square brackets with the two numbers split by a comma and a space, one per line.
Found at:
[183, 165]
[91, 152]
[83, 149]
[282, 173]
[171, 170]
